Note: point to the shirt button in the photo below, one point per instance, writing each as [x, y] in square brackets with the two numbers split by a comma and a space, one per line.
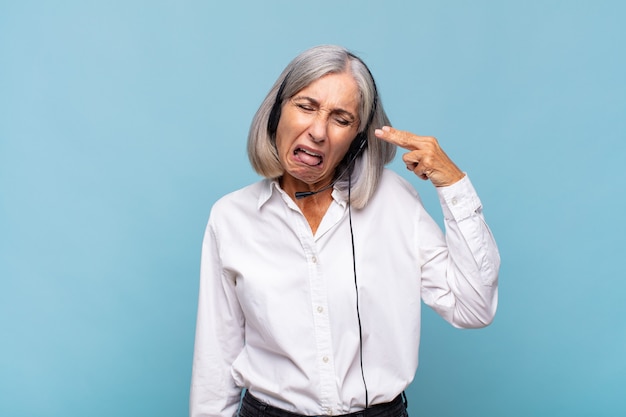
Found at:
[320, 309]
[325, 359]
[314, 260]
[454, 201]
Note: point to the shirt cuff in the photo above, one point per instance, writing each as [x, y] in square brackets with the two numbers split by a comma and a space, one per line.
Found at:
[459, 200]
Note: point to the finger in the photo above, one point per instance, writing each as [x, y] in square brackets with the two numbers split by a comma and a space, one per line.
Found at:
[419, 171]
[411, 166]
[404, 139]
[412, 159]
[419, 163]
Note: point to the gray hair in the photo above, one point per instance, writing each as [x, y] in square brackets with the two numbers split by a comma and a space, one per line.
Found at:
[306, 68]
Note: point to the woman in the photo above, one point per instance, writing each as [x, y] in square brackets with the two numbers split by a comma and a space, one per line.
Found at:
[311, 279]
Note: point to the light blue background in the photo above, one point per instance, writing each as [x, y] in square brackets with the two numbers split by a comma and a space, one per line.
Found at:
[121, 122]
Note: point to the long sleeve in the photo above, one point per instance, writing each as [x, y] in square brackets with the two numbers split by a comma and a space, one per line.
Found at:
[219, 336]
[460, 274]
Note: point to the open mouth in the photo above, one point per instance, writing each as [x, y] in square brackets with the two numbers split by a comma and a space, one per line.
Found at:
[310, 158]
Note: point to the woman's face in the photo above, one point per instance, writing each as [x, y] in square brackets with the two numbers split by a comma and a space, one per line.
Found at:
[315, 130]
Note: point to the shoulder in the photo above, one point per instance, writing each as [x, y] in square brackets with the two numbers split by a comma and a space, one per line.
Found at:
[242, 201]
[394, 186]
[394, 193]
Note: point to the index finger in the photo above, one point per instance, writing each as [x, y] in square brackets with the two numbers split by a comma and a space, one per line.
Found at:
[401, 138]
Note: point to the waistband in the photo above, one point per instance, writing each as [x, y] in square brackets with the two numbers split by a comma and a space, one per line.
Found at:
[252, 405]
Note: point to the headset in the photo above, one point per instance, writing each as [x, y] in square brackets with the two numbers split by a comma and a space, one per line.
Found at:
[358, 145]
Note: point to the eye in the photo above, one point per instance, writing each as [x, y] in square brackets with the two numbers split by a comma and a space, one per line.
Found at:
[305, 106]
[343, 119]
[342, 122]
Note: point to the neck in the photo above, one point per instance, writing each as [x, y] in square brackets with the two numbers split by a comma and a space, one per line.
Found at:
[313, 206]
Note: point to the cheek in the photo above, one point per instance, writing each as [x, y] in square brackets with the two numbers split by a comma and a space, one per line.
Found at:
[343, 143]
[282, 142]
[289, 128]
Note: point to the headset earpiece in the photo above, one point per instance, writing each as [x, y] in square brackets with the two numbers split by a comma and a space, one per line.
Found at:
[272, 122]
[356, 147]
[274, 118]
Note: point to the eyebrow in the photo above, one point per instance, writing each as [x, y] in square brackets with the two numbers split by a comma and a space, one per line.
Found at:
[338, 110]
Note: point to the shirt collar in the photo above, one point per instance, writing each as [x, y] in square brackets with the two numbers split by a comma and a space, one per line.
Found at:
[266, 191]
[271, 186]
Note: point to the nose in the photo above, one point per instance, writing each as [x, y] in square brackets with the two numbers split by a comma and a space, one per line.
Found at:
[319, 128]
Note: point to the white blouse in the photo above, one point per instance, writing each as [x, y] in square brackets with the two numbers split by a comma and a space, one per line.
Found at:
[277, 309]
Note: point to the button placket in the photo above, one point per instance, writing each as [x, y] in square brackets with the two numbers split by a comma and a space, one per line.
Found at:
[323, 338]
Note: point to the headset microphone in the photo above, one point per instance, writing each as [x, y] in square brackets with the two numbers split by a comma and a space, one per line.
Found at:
[302, 194]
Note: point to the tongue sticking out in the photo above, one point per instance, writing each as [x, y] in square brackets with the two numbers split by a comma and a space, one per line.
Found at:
[308, 158]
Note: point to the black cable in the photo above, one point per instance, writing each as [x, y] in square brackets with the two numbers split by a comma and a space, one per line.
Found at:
[356, 286]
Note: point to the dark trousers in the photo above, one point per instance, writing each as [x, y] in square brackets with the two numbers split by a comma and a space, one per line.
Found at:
[253, 407]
